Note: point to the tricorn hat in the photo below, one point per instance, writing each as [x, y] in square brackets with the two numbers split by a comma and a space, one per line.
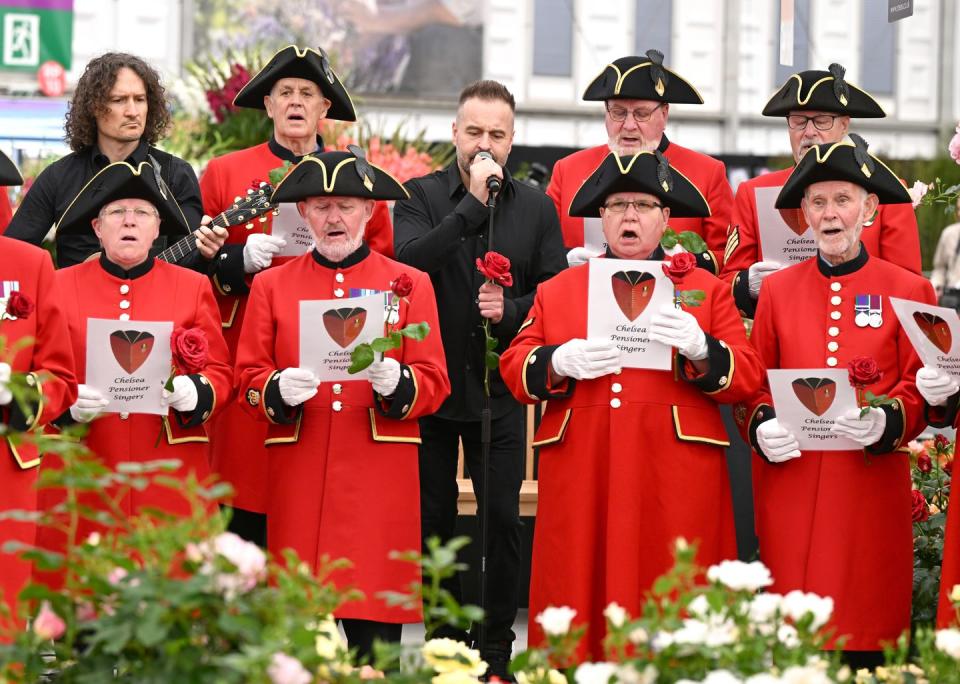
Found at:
[641, 78]
[823, 91]
[648, 172]
[847, 160]
[121, 180]
[340, 174]
[9, 175]
[294, 62]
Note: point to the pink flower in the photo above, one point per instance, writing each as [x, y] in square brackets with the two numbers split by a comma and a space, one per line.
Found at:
[47, 624]
[917, 192]
[284, 669]
[954, 146]
[116, 576]
[248, 559]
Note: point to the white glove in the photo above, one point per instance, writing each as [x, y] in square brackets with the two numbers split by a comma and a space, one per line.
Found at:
[184, 397]
[88, 405]
[297, 385]
[384, 376]
[776, 442]
[864, 431]
[935, 385]
[259, 250]
[758, 272]
[678, 328]
[6, 396]
[586, 359]
[580, 255]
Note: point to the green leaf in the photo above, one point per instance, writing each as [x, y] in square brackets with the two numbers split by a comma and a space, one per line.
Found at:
[492, 360]
[360, 358]
[692, 242]
[416, 331]
[383, 344]
[691, 297]
[669, 239]
[492, 343]
[150, 629]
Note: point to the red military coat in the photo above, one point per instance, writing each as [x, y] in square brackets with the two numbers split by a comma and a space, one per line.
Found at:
[343, 467]
[950, 570]
[628, 462]
[237, 454]
[705, 172]
[892, 235]
[153, 291]
[838, 523]
[49, 361]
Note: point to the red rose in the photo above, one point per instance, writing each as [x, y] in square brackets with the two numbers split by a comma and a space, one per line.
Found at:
[863, 371]
[940, 442]
[680, 265]
[189, 347]
[402, 286]
[924, 464]
[19, 305]
[496, 267]
[920, 511]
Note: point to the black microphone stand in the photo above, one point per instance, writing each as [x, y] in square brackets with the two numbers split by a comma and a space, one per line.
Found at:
[485, 439]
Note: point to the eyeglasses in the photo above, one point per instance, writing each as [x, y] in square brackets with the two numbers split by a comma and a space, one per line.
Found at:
[822, 122]
[642, 206]
[619, 114]
[119, 213]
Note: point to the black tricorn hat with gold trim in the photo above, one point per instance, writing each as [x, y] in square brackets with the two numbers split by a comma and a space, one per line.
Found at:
[121, 180]
[823, 91]
[648, 172]
[847, 160]
[641, 78]
[294, 62]
[339, 174]
[9, 175]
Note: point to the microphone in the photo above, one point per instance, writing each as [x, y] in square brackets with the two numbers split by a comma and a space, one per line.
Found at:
[493, 183]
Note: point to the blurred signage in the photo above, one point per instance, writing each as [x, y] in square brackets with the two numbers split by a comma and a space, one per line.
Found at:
[33, 32]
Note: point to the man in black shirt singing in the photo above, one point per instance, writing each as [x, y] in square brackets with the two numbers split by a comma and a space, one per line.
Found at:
[118, 113]
[442, 229]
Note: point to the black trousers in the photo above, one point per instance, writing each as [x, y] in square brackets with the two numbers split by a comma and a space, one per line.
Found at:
[362, 633]
[438, 505]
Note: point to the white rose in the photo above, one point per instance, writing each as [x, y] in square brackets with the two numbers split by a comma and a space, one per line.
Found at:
[699, 606]
[638, 636]
[804, 675]
[917, 192]
[796, 604]
[556, 621]
[539, 675]
[764, 607]
[787, 635]
[328, 642]
[594, 673]
[721, 677]
[763, 678]
[615, 614]
[740, 576]
[661, 641]
[948, 641]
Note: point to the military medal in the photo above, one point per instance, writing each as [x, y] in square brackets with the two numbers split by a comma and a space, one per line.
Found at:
[868, 311]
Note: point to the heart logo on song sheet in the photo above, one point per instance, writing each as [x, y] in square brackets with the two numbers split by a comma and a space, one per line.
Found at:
[131, 348]
[936, 329]
[795, 220]
[632, 290]
[344, 324]
[817, 394]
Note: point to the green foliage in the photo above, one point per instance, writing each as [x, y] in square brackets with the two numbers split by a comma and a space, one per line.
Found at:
[933, 481]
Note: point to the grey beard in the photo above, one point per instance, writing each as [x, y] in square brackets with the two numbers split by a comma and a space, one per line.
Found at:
[337, 253]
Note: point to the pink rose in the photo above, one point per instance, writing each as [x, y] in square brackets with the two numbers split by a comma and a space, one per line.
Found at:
[47, 624]
[284, 669]
[954, 146]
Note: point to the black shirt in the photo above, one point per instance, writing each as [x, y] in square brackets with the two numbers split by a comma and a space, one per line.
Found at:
[442, 229]
[57, 185]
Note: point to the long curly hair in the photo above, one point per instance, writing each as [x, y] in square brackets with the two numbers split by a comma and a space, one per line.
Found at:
[93, 89]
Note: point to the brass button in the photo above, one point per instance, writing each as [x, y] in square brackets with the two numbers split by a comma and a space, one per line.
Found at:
[337, 388]
[124, 415]
[831, 361]
[533, 358]
[405, 408]
[835, 286]
[31, 380]
[833, 331]
[206, 414]
[337, 406]
[615, 402]
[406, 373]
[338, 277]
[124, 304]
[226, 288]
[835, 315]
[203, 381]
[832, 346]
[338, 292]
[835, 300]
[124, 289]
[616, 388]
[723, 379]
[270, 411]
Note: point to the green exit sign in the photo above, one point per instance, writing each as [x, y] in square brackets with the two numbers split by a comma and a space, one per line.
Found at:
[35, 31]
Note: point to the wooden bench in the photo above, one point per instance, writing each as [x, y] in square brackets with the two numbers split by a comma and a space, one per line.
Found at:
[467, 502]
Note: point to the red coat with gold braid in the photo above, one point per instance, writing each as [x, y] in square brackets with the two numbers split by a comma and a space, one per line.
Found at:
[152, 291]
[236, 454]
[838, 523]
[50, 368]
[628, 462]
[343, 467]
[892, 235]
[705, 172]
[950, 570]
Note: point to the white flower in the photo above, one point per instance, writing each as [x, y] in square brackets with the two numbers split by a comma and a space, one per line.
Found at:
[763, 608]
[93, 539]
[763, 678]
[955, 594]
[948, 641]
[796, 604]
[661, 641]
[615, 614]
[713, 632]
[740, 576]
[284, 669]
[538, 675]
[917, 192]
[787, 635]
[328, 642]
[721, 677]
[699, 606]
[638, 636]
[450, 655]
[248, 559]
[556, 621]
[455, 677]
[629, 674]
[594, 673]
[805, 675]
